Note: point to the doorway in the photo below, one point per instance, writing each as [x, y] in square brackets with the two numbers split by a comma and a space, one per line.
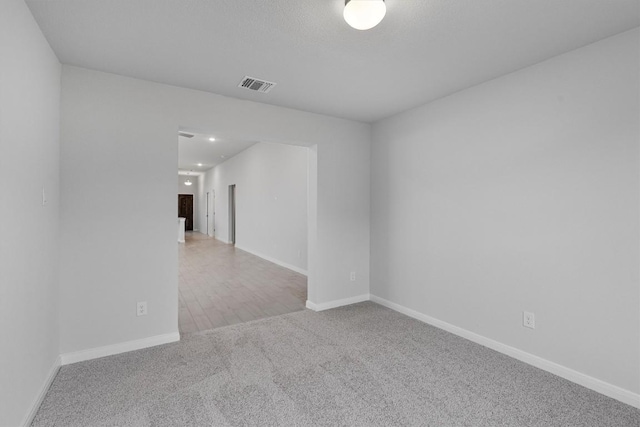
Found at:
[232, 214]
[185, 210]
[217, 271]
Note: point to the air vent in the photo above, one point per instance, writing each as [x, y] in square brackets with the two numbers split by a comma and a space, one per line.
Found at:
[185, 135]
[257, 85]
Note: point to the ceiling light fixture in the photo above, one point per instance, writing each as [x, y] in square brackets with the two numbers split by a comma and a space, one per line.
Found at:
[199, 164]
[212, 139]
[364, 14]
[187, 182]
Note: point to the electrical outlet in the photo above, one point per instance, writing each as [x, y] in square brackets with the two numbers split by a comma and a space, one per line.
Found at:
[528, 320]
[352, 277]
[141, 309]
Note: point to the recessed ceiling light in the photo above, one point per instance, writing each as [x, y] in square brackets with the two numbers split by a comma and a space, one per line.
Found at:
[199, 164]
[212, 139]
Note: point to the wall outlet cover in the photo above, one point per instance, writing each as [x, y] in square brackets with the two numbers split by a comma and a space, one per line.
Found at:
[528, 320]
[141, 308]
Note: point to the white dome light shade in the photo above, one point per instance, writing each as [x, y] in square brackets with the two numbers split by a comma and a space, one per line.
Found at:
[187, 182]
[364, 14]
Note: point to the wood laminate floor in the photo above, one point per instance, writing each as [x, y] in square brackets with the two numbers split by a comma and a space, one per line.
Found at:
[220, 285]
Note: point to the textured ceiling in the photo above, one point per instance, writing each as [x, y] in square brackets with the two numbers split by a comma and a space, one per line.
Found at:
[199, 149]
[422, 50]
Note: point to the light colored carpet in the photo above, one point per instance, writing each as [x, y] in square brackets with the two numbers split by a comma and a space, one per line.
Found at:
[362, 365]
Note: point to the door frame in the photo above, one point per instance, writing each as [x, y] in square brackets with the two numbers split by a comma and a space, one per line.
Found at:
[232, 214]
[210, 216]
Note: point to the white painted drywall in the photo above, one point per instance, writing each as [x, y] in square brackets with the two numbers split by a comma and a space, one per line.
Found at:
[271, 201]
[519, 194]
[121, 131]
[194, 190]
[29, 140]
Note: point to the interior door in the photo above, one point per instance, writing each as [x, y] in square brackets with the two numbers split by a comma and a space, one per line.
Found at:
[207, 215]
[211, 213]
[232, 214]
[185, 210]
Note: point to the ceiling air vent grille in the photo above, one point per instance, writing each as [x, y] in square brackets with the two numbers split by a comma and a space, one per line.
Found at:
[185, 134]
[257, 85]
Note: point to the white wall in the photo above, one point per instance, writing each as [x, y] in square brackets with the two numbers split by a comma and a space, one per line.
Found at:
[119, 246]
[29, 160]
[271, 202]
[521, 194]
[195, 191]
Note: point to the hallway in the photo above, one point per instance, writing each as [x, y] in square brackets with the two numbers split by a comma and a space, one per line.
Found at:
[220, 285]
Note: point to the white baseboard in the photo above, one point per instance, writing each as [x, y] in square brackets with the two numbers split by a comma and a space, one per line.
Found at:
[336, 303]
[273, 260]
[28, 419]
[109, 350]
[602, 387]
[221, 239]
